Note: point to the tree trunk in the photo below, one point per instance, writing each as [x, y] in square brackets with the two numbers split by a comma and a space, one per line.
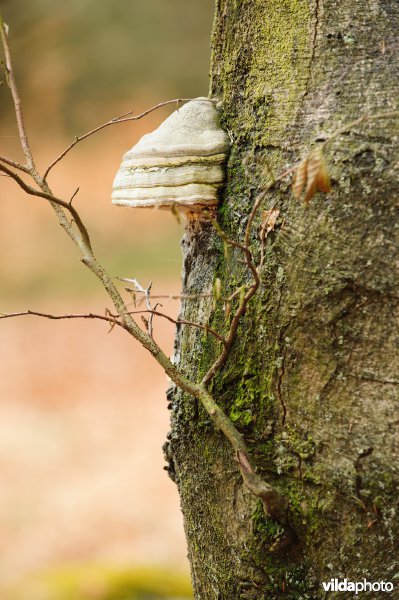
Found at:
[313, 375]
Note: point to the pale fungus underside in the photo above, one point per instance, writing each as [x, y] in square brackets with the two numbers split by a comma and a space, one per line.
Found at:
[179, 165]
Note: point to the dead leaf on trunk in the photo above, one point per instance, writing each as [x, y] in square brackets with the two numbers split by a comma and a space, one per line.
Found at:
[312, 172]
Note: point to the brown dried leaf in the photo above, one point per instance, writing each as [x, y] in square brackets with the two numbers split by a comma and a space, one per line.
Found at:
[323, 179]
[317, 177]
[300, 178]
[269, 219]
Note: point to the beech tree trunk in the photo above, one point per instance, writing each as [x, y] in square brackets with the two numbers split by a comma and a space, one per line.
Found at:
[312, 379]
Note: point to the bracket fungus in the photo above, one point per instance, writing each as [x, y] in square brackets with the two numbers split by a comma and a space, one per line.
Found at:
[177, 166]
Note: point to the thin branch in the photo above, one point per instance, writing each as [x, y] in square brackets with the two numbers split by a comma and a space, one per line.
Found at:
[48, 196]
[164, 296]
[244, 247]
[345, 128]
[260, 198]
[274, 504]
[13, 163]
[121, 119]
[73, 195]
[231, 335]
[174, 296]
[181, 322]
[82, 241]
[16, 99]
[147, 295]
[58, 317]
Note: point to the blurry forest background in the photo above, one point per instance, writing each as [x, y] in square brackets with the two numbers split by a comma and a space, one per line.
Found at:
[83, 414]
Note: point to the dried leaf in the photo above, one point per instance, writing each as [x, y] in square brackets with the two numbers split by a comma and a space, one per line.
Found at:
[317, 177]
[300, 178]
[323, 179]
[312, 172]
[269, 220]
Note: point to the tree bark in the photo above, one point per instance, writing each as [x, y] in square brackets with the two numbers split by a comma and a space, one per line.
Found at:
[312, 379]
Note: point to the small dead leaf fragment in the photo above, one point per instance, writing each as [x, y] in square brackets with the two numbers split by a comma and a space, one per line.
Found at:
[317, 177]
[269, 220]
[300, 178]
[323, 179]
[312, 172]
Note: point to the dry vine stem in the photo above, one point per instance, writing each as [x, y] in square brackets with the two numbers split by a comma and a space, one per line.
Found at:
[78, 233]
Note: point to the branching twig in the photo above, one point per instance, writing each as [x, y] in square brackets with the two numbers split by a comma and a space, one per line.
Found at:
[260, 198]
[59, 317]
[16, 99]
[175, 296]
[205, 328]
[345, 128]
[121, 119]
[13, 163]
[48, 196]
[164, 296]
[244, 299]
[73, 195]
[147, 295]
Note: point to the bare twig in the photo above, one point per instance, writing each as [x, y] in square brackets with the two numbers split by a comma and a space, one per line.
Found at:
[16, 99]
[163, 296]
[205, 328]
[345, 128]
[243, 302]
[59, 317]
[260, 198]
[13, 163]
[151, 319]
[48, 196]
[175, 296]
[73, 195]
[274, 504]
[252, 289]
[121, 119]
[147, 295]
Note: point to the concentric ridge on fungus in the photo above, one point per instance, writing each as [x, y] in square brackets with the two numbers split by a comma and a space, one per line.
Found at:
[179, 164]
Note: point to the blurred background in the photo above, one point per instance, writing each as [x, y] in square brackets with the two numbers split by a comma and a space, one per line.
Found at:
[86, 510]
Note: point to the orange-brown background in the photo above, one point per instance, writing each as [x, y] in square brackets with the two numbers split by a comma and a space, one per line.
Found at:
[83, 413]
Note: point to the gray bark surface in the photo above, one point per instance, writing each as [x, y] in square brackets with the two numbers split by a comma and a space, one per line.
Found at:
[312, 379]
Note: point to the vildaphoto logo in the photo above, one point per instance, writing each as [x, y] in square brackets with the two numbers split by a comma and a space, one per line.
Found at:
[345, 585]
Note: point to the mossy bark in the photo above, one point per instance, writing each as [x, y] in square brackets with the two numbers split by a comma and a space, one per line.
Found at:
[312, 380]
